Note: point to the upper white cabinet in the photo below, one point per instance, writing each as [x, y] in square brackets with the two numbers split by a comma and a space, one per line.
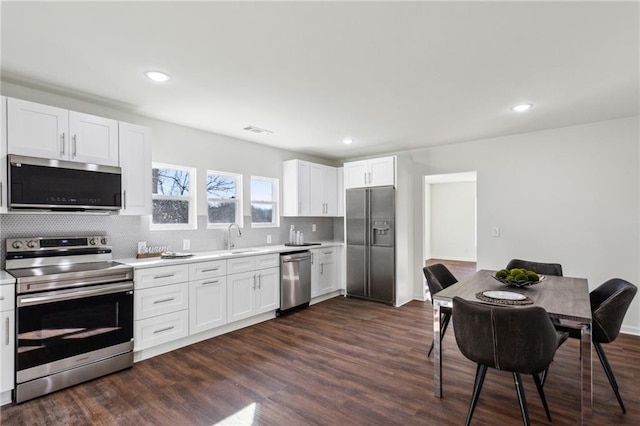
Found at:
[49, 132]
[372, 172]
[309, 189]
[135, 161]
[323, 190]
[3, 154]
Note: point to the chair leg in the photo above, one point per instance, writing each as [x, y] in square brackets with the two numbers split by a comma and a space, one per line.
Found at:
[481, 372]
[521, 398]
[609, 372]
[543, 376]
[536, 379]
[445, 323]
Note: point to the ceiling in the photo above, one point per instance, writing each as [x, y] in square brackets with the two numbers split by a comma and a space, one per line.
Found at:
[390, 75]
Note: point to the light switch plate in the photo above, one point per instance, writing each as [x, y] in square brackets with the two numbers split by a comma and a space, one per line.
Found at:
[186, 244]
[268, 239]
[495, 231]
[313, 227]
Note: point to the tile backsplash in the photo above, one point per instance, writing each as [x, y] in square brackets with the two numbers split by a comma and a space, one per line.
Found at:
[126, 231]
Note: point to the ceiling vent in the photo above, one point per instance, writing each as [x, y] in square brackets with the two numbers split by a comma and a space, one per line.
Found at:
[258, 130]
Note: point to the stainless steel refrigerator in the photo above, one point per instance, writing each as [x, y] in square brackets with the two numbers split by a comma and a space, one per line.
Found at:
[370, 234]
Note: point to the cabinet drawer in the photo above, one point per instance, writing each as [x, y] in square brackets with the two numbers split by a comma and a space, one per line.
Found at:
[214, 268]
[151, 302]
[158, 330]
[162, 275]
[240, 264]
[267, 261]
[7, 297]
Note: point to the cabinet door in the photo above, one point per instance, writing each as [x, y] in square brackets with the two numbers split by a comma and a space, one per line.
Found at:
[207, 304]
[315, 273]
[37, 130]
[268, 290]
[295, 188]
[317, 200]
[328, 276]
[330, 179]
[7, 348]
[340, 191]
[241, 293]
[382, 171]
[355, 174]
[3, 154]
[93, 139]
[135, 161]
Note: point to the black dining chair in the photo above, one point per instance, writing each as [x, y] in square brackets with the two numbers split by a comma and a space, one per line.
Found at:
[521, 340]
[438, 278]
[609, 304]
[537, 267]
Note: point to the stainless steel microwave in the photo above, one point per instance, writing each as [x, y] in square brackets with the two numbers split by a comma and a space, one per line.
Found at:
[56, 185]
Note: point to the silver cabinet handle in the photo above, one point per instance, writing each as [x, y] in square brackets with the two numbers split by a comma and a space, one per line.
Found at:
[164, 329]
[73, 146]
[62, 144]
[299, 207]
[254, 282]
[210, 270]
[211, 282]
[6, 329]
[164, 300]
[1, 297]
[157, 277]
[370, 179]
[124, 199]
[259, 280]
[322, 269]
[0, 196]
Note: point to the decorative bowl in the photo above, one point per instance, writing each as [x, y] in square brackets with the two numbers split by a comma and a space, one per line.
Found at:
[519, 283]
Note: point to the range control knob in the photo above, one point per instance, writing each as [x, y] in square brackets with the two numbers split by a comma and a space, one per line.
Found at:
[103, 241]
[32, 244]
[17, 244]
[93, 241]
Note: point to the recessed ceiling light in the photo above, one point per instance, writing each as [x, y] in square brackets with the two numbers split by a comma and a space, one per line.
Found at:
[522, 108]
[158, 76]
[258, 130]
[347, 141]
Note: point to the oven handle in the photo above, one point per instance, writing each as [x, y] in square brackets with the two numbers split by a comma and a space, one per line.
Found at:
[59, 296]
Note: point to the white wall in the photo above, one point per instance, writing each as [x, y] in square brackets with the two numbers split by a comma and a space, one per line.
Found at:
[568, 195]
[453, 221]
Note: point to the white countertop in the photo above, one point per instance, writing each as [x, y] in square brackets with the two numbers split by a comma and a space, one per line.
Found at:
[151, 262]
[6, 278]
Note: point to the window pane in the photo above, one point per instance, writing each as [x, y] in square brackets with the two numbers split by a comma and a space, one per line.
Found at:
[261, 213]
[221, 186]
[222, 212]
[170, 182]
[170, 211]
[262, 190]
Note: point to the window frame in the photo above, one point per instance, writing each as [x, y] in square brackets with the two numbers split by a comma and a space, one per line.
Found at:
[191, 198]
[275, 182]
[238, 200]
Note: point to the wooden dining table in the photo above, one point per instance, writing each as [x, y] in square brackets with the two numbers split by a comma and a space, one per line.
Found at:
[565, 299]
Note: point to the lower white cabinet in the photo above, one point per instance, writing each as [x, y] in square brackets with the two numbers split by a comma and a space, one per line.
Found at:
[151, 302]
[253, 292]
[161, 329]
[7, 333]
[207, 304]
[324, 271]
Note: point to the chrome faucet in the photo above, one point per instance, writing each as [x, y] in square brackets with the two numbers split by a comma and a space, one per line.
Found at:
[230, 245]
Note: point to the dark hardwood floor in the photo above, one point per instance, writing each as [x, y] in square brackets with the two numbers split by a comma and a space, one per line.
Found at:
[340, 362]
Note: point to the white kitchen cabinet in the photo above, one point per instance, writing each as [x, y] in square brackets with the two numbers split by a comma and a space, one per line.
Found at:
[255, 291]
[295, 188]
[49, 132]
[135, 161]
[372, 172]
[3, 154]
[309, 189]
[323, 190]
[161, 301]
[340, 173]
[324, 267]
[207, 295]
[7, 339]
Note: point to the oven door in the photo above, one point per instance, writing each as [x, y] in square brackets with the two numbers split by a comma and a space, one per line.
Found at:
[58, 330]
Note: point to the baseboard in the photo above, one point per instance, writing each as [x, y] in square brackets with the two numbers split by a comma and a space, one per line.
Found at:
[630, 330]
[458, 259]
[5, 398]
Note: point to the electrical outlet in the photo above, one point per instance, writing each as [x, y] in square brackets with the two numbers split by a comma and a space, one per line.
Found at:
[142, 247]
[313, 227]
[186, 244]
[268, 239]
[495, 231]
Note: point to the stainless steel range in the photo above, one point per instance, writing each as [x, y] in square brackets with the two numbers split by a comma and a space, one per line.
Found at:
[74, 312]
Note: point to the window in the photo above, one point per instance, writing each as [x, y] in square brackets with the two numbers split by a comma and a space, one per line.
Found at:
[173, 191]
[224, 199]
[264, 202]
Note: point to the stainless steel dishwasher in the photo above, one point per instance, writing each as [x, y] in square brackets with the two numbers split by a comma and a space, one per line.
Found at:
[295, 281]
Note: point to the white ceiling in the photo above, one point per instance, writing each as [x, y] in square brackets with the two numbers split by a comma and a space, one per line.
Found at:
[390, 75]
